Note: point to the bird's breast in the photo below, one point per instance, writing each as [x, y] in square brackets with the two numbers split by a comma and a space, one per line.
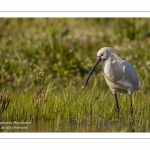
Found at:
[113, 72]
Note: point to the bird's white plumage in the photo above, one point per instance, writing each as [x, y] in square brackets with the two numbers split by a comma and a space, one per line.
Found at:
[119, 74]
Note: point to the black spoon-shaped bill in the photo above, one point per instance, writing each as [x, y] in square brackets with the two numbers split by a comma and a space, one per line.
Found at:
[90, 73]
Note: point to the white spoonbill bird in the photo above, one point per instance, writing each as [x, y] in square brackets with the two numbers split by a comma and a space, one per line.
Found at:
[119, 74]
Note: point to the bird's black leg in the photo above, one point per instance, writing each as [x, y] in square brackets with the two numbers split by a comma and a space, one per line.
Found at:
[131, 106]
[117, 105]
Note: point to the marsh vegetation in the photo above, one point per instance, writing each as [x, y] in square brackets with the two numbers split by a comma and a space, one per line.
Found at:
[45, 60]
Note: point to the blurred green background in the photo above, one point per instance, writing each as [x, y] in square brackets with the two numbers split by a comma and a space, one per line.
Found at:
[65, 48]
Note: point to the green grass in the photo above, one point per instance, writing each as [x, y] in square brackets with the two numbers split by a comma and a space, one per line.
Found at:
[45, 60]
[73, 106]
[92, 107]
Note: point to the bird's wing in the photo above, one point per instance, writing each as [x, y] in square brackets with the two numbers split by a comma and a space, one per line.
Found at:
[130, 74]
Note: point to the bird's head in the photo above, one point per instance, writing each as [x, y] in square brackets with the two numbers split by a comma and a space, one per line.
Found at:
[104, 53]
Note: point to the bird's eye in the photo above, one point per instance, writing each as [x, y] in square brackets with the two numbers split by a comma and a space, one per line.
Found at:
[101, 54]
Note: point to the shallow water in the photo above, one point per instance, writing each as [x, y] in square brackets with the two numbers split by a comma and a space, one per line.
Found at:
[48, 126]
